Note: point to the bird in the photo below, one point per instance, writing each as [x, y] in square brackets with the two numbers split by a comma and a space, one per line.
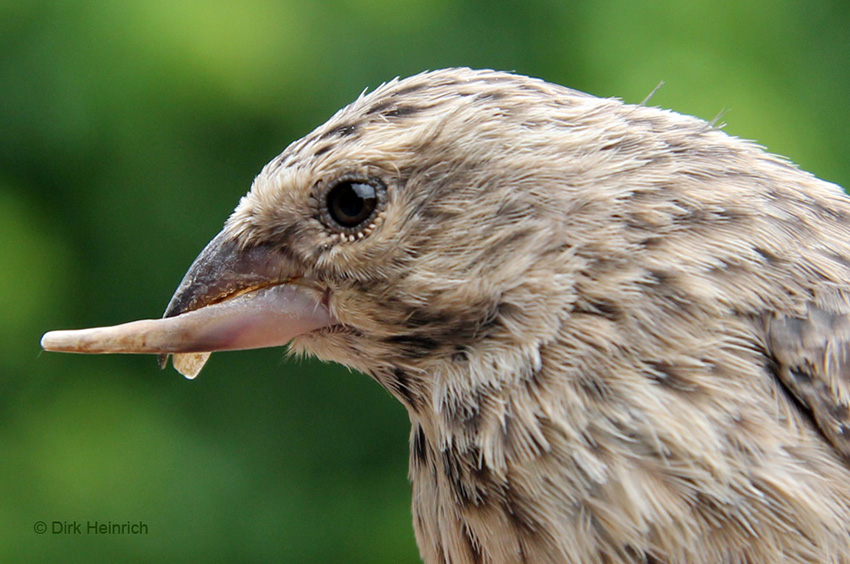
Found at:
[620, 333]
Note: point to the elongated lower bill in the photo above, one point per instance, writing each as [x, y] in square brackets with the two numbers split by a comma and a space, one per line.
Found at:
[268, 317]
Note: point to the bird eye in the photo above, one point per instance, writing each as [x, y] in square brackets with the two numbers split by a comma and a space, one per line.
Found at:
[350, 203]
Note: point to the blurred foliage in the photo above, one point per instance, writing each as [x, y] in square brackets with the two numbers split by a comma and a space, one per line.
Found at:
[129, 131]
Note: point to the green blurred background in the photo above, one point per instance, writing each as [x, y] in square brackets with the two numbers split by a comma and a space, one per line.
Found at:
[129, 131]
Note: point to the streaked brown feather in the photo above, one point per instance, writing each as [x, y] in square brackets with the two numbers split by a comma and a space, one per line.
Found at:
[813, 361]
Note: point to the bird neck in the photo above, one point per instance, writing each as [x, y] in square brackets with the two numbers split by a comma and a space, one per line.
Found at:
[479, 433]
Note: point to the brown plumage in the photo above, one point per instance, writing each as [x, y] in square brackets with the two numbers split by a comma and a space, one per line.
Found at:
[621, 334]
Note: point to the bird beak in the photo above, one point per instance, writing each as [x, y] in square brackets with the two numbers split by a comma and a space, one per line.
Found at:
[230, 299]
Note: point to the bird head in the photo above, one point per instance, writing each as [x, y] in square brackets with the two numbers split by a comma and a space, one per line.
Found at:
[435, 233]
[417, 225]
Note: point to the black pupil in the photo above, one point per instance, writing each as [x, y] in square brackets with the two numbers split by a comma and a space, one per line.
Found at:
[351, 203]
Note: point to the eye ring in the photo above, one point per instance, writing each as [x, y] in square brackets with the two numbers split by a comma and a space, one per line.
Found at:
[350, 204]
